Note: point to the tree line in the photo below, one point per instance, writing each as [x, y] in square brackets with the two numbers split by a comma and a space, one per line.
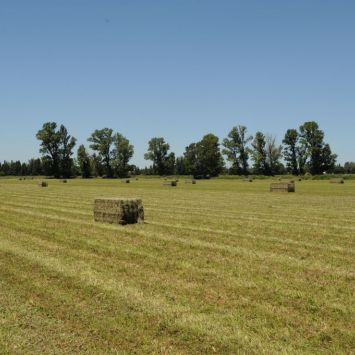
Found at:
[302, 150]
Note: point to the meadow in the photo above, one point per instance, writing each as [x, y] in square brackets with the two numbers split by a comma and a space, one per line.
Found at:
[223, 266]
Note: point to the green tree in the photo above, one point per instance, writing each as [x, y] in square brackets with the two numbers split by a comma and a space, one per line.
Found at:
[349, 167]
[50, 147]
[158, 153]
[35, 167]
[273, 155]
[6, 168]
[328, 159]
[96, 165]
[84, 162]
[318, 154]
[24, 169]
[170, 164]
[204, 159]
[209, 155]
[67, 143]
[301, 159]
[191, 160]
[101, 142]
[291, 151]
[56, 147]
[259, 155]
[236, 150]
[122, 153]
[180, 165]
[312, 140]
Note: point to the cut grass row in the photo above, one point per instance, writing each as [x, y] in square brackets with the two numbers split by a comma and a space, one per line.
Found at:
[217, 269]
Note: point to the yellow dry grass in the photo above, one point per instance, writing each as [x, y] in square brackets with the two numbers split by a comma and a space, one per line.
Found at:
[219, 267]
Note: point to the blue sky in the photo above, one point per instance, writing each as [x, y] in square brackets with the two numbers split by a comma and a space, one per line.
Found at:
[177, 69]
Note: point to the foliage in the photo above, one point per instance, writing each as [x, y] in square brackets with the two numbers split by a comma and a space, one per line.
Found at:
[121, 155]
[259, 155]
[84, 162]
[66, 146]
[303, 151]
[204, 159]
[158, 153]
[57, 149]
[319, 154]
[292, 151]
[101, 142]
[236, 150]
[273, 155]
[349, 167]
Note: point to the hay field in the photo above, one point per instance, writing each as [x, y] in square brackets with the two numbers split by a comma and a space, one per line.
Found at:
[223, 266]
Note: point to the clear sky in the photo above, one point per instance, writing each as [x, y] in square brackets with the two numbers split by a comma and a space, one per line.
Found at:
[175, 68]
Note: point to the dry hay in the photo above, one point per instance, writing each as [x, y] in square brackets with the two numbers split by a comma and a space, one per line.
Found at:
[282, 187]
[65, 181]
[248, 180]
[337, 181]
[170, 183]
[193, 182]
[43, 184]
[118, 211]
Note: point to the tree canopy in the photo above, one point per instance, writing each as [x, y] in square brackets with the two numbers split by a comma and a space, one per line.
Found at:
[57, 149]
[302, 150]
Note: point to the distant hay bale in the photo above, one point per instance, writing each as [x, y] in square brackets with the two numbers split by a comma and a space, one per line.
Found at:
[193, 182]
[337, 181]
[125, 181]
[170, 183]
[65, 181]
[118, 211]
[248, 180]
[43, 184]
[282, 187]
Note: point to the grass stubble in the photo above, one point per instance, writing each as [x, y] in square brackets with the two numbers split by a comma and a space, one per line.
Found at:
[218, 267]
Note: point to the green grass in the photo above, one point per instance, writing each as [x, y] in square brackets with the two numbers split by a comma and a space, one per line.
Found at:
[223, 266]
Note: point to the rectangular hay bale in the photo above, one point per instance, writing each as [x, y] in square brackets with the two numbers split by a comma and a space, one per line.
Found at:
[170, 183]
[43, 184]
[282, 187]
[337, 181]
[248, 180]
[193, 182]
[118, 211]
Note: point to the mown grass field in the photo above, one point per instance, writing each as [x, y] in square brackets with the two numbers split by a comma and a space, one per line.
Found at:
[223, 266]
